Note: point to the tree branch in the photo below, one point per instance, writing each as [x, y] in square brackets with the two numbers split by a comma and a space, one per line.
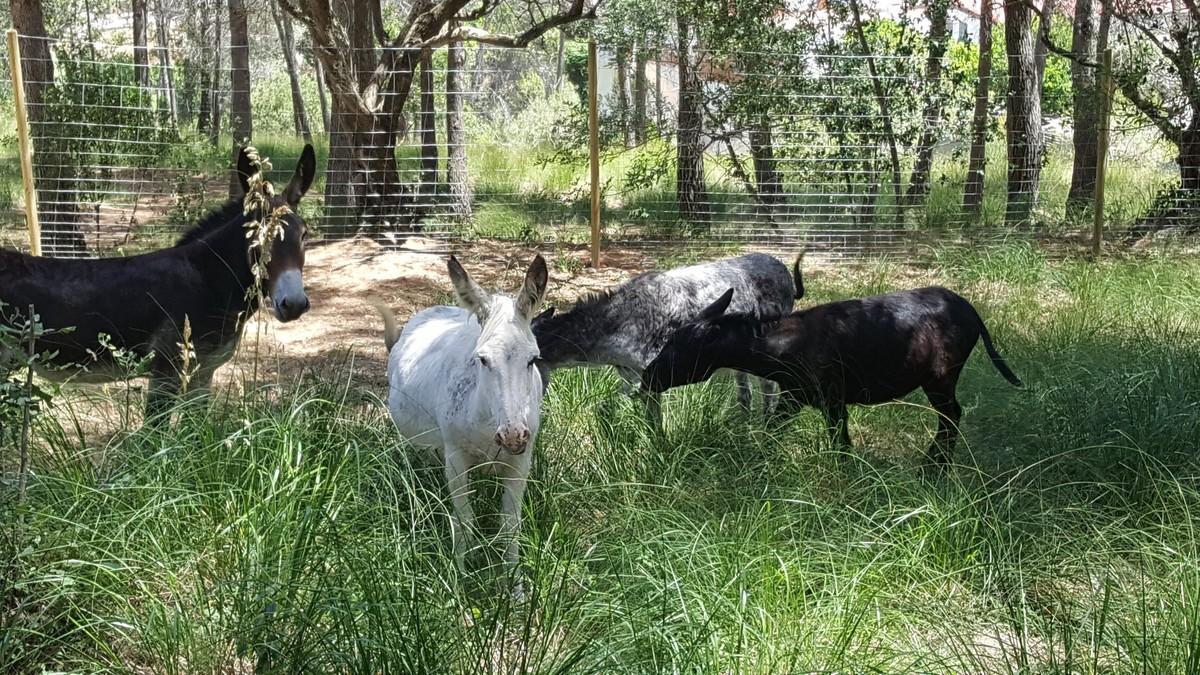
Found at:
[1152, 112]
[479, 35]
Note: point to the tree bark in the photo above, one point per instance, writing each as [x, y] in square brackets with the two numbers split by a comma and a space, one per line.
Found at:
[427, 125]
[456, 137]
[283, 25]
[54, 172]
[641, 88]
[1024, 110]
[165, 66]
[977, 164]
[691, 192]
[559, 59]
[1085, 110]
[1041, 48]
[240, 120]
[141, 56]
[659, 118]
[918, 183]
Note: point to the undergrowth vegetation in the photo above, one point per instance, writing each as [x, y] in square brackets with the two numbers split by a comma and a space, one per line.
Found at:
[292, 531]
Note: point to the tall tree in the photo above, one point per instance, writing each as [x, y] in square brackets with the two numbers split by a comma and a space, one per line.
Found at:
[165, 69]
[1024, 111]
[141, 56]
[1085, 109]
[240, 120]
[322, 96]
[918, 184]
[214, 95]
[427, 128]
[977, 164]
[690, 189]
[881, 99]
[369, 86]
[1159, 74]
[456, 136]
[641, 86]
[54, 175]
[283, 26]
[622, 63]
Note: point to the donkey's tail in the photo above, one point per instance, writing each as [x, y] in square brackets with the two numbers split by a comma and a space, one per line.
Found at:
[798, 278]
[997, 360]
[391, 332]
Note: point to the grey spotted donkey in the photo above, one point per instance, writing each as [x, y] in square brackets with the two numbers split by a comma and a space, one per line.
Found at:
[627, 326]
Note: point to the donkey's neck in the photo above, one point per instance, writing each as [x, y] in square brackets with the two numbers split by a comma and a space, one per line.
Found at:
[221, 256]
[602, 332]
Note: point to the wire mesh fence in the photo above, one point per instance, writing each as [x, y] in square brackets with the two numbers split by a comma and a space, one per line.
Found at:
[859, 154]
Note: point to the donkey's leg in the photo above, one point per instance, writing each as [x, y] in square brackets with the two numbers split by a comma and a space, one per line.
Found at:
[462, 521]
[945, 404]
[770, 395]
[514, 475]
[160, 395]
[837, 420]
[744, 394]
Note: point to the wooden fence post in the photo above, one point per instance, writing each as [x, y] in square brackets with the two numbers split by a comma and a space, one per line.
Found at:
[594, 150]
[23, 144]
[1106, 96]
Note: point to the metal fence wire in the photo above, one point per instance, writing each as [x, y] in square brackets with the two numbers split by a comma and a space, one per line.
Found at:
[857, 154]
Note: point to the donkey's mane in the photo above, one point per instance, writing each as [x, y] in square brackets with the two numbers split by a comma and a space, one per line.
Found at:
[594, 298]
[214, 220]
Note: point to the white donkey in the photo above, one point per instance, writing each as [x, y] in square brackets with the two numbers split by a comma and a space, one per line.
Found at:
[466, 380]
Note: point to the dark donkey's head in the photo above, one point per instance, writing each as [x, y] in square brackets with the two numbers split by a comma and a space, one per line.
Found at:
[693, 352]
[284, 282]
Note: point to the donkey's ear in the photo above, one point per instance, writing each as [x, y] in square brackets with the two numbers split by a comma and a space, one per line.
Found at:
[717, 308]
[534, 289]
[306, 170]
[244, 169]
[470, 295]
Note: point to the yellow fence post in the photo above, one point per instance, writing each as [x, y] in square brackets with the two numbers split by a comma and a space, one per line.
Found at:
[594, 150]
[23, 144]
[1106, 97]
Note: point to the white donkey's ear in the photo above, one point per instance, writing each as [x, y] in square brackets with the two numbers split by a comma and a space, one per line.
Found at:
[534, 289]
[470, 295]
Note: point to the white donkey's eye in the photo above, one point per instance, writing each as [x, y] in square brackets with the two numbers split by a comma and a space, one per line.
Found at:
[483, 361]
[533, 361]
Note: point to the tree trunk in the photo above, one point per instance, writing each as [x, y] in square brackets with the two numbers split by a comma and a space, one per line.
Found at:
[456, 137]
[766, 173]
[54, 172]
[690, 189]
[1024, 110]
[322, 96]
[973, 192]
[164, 63]
[1085, 110]
[559, 59]
[214, 96]
[641, 88]
[885, 113]
[283, 26]
[918, 184]
[659, 119]
[427, 125]
[1041, 48]
[623, 95]
[1189, 162]
[240, 120]
[141, 57]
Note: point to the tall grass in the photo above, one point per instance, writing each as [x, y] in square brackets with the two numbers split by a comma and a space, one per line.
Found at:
[291, 531]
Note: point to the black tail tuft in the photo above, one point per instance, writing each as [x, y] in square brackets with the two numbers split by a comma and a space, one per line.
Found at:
[797, 277]
[997, 360]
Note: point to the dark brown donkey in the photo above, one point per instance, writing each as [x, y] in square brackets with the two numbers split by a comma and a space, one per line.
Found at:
[141, 301]
[871, 350]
